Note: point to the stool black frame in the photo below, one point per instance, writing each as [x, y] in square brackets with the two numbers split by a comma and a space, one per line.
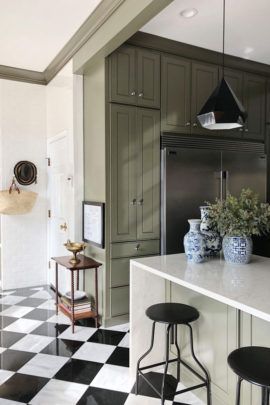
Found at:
[265, 392]
[173, 329]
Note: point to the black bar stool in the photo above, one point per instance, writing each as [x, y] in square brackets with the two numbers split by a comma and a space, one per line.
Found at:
[173, 314]
[252, 364]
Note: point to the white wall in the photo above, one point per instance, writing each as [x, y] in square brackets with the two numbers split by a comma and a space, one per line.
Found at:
[64, 114]
[23, 137]
[29, 115]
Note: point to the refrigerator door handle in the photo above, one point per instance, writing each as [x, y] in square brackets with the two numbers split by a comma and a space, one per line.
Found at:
[222, 176]
[226, 190]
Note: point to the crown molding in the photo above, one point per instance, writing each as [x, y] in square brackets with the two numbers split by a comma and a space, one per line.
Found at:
[22, 75]
[99, 16]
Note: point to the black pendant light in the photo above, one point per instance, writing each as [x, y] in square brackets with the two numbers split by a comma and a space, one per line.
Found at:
[222, 109]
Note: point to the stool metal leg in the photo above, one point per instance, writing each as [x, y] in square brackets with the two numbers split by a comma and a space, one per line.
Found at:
[265, 396]
[166, 364]
[143, 356]
[178, 354]
[238, 391]
[208, 387]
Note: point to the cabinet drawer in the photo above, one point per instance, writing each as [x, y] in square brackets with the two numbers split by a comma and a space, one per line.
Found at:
[120, 271]
[138, 248]
[120, 300]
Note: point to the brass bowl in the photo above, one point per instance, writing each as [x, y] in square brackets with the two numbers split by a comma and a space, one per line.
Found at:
[75, 248]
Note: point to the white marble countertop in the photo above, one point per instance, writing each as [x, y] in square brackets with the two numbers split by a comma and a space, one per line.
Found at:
[245, 287]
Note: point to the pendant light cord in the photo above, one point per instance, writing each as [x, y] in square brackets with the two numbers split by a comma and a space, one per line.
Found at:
[223, 51]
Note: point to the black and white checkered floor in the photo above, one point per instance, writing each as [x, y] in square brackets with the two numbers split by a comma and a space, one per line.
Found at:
[43, 363]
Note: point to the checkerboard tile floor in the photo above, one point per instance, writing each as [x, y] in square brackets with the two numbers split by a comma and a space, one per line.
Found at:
[42, 362]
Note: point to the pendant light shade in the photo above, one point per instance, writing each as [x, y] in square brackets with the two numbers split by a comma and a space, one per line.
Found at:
[222, 110]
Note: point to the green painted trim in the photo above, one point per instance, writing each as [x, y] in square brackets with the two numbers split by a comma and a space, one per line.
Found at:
[22, 75]
[143, 39]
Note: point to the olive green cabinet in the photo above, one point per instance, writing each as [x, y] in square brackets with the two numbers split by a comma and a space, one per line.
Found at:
[135, 77]
[250, 89]
[204, 79]
[175, 94]
[186, 85]
[123, 75]
[235, 79]
[255, 104]
[135, 173]
[123, 173]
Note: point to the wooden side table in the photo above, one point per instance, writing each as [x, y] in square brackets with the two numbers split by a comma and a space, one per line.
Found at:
[85, 263]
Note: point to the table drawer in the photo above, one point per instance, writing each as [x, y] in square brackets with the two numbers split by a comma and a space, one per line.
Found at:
[135, 249]
[120, 300]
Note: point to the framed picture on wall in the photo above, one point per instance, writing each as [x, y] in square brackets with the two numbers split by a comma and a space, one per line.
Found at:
[93, 223]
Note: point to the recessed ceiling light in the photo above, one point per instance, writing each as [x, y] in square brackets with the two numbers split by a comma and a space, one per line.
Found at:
[189, 12]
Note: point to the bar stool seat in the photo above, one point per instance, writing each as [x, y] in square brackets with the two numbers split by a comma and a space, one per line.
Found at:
[172, 313]
[252, 364]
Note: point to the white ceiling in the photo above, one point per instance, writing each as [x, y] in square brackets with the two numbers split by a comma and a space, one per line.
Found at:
[32, 32]
[247, 26]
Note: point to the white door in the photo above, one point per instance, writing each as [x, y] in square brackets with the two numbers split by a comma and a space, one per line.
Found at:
[61, 205]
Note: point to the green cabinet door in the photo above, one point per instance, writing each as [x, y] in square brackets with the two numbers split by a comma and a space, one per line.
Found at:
[235, 79]
[204, 79]
[123, 173]
[255, 104]
[175, 94]
[148, 73]
[148, 194]
[123, 75]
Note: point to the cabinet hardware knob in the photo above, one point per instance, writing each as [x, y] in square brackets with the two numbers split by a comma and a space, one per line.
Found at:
[187, 124]
[246, 129]
[241, 129]
[133, 202]
[133, 93]
[140, 201]
[141, 94]
[63, 227]
[195, 125]
[137, 247]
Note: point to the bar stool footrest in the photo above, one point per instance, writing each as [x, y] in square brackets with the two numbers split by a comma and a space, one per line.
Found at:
[194, 387]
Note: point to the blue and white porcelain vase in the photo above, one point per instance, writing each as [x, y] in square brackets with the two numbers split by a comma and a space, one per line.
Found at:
[212, 239]
[237, 249]
[194, 242]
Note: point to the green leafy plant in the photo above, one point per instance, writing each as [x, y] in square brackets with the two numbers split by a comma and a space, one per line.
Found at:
[240, 216]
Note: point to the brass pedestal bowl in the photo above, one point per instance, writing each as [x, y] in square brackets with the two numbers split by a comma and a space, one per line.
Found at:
[75, 248]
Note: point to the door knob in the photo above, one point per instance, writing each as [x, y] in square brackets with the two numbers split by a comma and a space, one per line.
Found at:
[137, 247]
[140, 201]
[63, 227]
[133, 93]
[141, 94]
[133, 202]
[195, 125]
[187, 124]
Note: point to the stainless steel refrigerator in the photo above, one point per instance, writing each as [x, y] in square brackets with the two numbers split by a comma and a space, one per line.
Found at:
[195, 171]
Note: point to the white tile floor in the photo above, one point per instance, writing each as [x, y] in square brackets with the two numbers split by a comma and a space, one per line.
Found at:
[60, 393]
[32, 343]
[43, 363]
[96, 352]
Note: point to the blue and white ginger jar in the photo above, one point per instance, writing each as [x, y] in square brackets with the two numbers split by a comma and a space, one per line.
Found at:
[194, 242]
[212, 239]
[237, 249]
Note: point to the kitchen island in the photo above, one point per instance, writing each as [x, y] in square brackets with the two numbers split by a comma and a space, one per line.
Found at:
[234, 303]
